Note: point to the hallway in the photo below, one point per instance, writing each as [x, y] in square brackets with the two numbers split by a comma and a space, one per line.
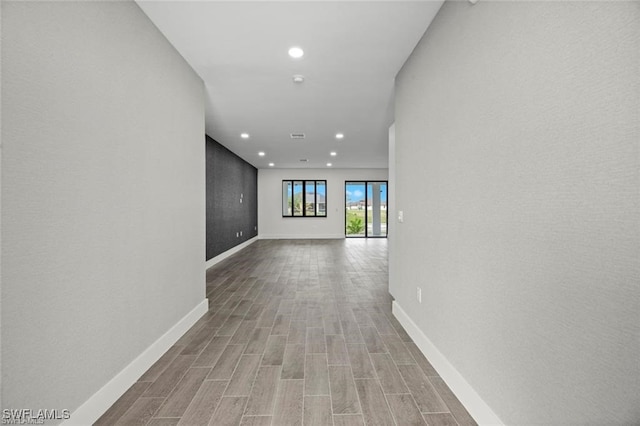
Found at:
[298, 332]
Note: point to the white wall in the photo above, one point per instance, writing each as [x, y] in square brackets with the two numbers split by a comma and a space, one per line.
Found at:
[518, 170]
[392, 212]
[103, 201]
[271, 224]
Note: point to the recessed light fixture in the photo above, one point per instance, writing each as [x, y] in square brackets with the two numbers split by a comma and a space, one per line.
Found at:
[329, 164]
[271, 164]
[339, 135]
[296, 52]
[244, 135]
[298, 78]
[333, 153]
[261, 154]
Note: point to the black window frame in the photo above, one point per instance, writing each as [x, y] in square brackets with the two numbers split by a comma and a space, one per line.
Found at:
[305, 182]
[366, 202]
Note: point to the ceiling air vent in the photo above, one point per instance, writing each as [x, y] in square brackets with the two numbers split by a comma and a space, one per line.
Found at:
[297, 135]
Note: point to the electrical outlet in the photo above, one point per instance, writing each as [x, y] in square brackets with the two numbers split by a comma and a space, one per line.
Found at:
[237, 234]
[241, 233]
[419, 294]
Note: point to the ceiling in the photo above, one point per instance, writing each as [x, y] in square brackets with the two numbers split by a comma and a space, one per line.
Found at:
[352, 53]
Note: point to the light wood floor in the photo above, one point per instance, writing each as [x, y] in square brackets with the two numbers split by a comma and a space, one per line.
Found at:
[298, 332]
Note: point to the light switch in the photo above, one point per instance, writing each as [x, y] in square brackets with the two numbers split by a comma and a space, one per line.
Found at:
[400, 216]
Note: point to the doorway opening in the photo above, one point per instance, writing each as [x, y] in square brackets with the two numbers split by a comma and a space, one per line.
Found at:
[365, 209]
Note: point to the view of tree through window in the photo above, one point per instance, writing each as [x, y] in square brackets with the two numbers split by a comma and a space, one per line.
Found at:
[304, 198]
[365, 209]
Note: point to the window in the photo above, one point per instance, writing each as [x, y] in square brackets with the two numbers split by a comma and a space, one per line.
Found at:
[366, 209]
[304, 198]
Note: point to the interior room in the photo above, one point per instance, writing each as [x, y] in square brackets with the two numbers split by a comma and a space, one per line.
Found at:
[320, 212]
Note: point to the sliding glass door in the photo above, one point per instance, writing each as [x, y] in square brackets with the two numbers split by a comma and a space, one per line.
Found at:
[365, 209]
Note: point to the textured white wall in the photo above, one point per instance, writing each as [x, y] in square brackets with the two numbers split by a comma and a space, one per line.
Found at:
[517, 153]
[103, 201]
[271, 224]
[392, 212]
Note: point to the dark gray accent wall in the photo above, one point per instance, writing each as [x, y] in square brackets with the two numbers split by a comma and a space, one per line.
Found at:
[229, 179]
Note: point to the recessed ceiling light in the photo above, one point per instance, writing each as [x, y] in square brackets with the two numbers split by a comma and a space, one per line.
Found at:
[261, 154]
[296, 52]
[298, 78]
[333, 153]
[271, 164]
[329, 164]
[244, 135]
[339, 135]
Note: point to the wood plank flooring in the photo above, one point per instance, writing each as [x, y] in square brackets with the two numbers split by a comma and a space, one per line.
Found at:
[299, 332]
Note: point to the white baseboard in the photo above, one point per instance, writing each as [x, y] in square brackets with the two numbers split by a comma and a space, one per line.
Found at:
[96, 405]
[478, 409]
[219, 258]
[302, 237]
